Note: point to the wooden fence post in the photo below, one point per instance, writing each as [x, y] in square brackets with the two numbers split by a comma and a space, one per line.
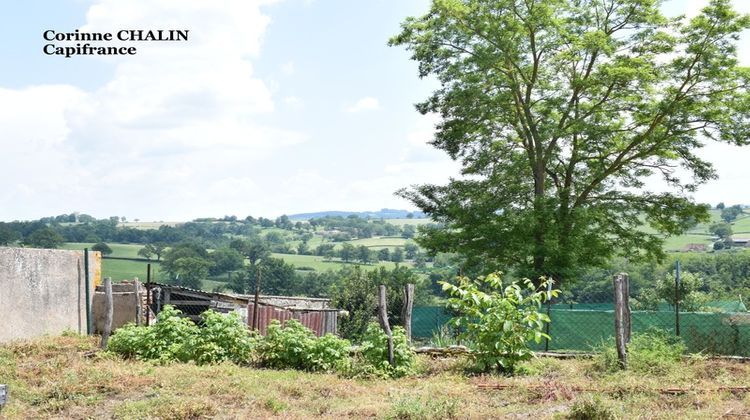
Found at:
[406, 309]
[383, 318]
[622, 317]
[108, 311]
[138, 301]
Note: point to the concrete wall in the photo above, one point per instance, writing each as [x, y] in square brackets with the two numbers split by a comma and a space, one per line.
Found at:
[42, 291]
[124, 301]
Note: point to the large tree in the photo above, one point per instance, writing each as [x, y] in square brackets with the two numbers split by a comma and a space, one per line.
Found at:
[559, 110]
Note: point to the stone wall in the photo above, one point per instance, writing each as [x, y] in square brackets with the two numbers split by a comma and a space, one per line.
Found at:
[42, 291]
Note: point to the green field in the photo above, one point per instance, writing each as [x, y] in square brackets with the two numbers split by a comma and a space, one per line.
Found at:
[122, 269]
[380, 242]
[404, 222]
[320, 264]
[118, 250]
[678, 243]
[147, 225]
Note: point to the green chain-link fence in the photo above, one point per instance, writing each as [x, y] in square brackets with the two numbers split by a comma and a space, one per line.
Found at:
[726, 333]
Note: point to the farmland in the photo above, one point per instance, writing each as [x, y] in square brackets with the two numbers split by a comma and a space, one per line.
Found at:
[57, 377]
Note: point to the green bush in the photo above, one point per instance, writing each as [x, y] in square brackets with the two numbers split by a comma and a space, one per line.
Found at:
[174, 338]
[223, 338]
[498, 321]
[329, 353]
[171, 338]
[374, 354]
[294, 346]
[652, 352]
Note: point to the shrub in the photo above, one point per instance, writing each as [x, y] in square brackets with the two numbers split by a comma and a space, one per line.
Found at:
[174, 338]
[374, 353]
[169, 339]
[102, 247]
[223, 338]
[294, 346]
[652, 352]
[329, 353]
[498, 321]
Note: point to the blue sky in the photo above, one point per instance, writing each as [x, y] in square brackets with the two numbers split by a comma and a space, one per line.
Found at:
[272, 107]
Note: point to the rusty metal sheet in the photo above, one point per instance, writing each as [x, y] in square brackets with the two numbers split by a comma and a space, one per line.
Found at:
[320, 322]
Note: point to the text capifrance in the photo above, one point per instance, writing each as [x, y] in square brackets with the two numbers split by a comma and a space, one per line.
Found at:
[87, 43]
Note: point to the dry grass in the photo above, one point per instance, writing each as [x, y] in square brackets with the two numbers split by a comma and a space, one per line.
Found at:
[57, 378]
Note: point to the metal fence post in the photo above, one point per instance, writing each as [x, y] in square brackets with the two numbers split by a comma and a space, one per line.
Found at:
[549, 307]
[148, 294]
[87, 277]
[677, 282]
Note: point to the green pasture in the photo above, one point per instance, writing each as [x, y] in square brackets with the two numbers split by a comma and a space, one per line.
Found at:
[404, 222]
[118, 250]
[678, 243]
[380, 242]
[320, 264]
[121, 269]
[147, 225]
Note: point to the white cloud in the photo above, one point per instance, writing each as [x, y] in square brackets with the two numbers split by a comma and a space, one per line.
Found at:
[173, 134]
[293, 102]
[288, 68]
[365, 104]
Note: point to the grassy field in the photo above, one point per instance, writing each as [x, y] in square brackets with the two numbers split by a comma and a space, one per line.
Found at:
[380, 242]
[56, 377]
[404, 222]
[122, 269]
[320, 264]
[678, 243]
[118, 250]
[147, 225]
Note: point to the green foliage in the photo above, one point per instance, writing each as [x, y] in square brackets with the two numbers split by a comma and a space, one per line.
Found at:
[729, 214]
[187, 264]
[591, 408]
[174, 338]
[654, 352]
[170, 339]
[102, 247]
[499, 320]
[374, 353]
[356, 292]
[223, 338]
[558, 112]
[7, 234]
[225, 259]
[294, 346]
[147, 251]
[691, 298]
[44, 237]
[723, 230]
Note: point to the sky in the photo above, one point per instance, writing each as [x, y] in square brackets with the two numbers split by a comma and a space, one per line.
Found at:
[272, 107]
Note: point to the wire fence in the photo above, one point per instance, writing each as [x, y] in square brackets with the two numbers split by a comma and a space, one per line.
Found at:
[583, 330]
